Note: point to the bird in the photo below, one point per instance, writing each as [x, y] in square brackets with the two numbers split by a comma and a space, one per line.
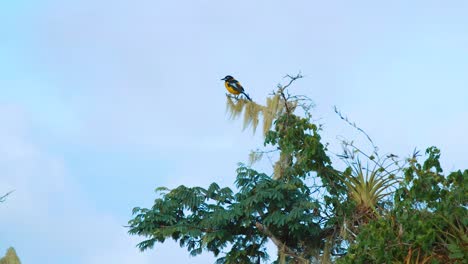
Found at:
[233, 86]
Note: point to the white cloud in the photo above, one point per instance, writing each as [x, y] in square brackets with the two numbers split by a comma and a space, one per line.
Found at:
[147, 77]
[48, 211]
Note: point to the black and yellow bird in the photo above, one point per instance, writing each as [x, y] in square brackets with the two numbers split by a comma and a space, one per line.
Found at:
[233, 86]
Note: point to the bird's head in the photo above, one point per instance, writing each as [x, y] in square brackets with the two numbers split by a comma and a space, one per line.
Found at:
[227, 78]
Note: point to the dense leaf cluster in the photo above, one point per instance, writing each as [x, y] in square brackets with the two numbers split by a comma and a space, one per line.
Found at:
[427, 224]
[10, 257]
[282, 210]
[341, 217]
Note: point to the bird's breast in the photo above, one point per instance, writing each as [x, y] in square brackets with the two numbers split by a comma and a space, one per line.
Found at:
[231, 89]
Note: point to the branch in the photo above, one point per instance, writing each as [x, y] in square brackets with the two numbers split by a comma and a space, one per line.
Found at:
[328, 232]
[292, 79]
[281, 89]
[2, 198]
[235, 97]
[337, 111]
[205, 230]
[285, 101]
[279, 243]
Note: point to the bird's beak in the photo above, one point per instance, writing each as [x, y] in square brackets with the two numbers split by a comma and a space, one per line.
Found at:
[223, 79]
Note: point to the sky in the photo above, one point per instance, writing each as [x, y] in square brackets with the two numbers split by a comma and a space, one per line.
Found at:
[103, 101]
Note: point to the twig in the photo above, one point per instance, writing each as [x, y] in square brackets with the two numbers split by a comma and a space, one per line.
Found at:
[281, 89]
[2, 198]
[338, 112]
[292, 79]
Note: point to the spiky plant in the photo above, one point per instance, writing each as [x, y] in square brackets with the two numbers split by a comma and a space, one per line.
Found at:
[367, 188]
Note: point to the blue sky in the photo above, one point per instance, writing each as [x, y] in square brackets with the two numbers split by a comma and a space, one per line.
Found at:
[102, 102]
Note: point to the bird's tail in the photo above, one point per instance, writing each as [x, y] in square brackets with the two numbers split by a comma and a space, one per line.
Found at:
[248, 97]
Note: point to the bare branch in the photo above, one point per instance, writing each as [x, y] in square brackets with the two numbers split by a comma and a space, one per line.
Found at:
[2, 198]
[292, 79]
[338, 112]
[282, 89]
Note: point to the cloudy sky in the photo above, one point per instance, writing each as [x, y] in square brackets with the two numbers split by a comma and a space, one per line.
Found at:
[103, 101]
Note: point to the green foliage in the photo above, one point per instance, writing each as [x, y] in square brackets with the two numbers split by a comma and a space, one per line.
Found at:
[298, 139]
[282, 209]
[428, 223]
[10, 257]
[308, 209]
[368, 189]
[367, 186]
[263, 208]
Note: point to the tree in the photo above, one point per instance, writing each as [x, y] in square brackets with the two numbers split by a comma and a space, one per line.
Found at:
[428, 222]
[310, 210]
[281, 208]
[10, 257]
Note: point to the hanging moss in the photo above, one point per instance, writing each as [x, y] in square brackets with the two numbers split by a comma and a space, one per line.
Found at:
[255, 156]
[272, 109]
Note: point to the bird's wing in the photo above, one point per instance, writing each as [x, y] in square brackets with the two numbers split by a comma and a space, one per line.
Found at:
[237, 86]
